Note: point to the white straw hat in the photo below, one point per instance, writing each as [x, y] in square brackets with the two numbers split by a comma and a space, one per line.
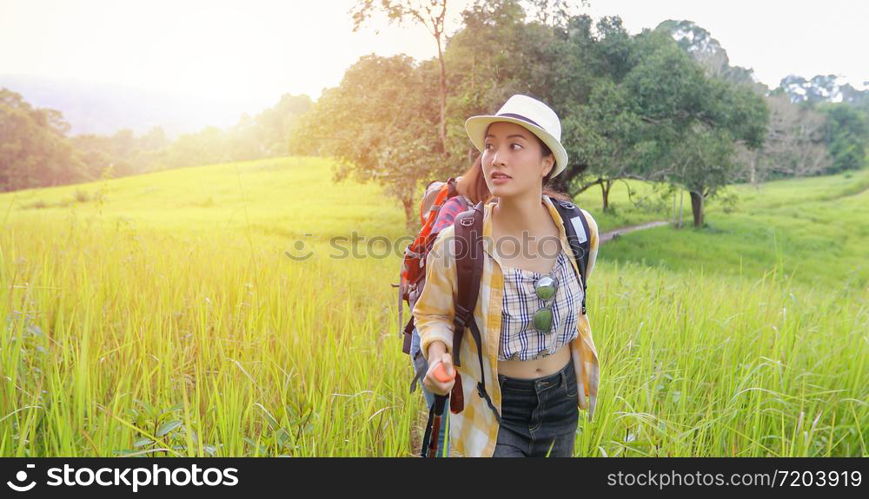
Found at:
[530, 113]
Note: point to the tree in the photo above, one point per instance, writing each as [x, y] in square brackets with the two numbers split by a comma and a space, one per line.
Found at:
[276, 122]
[794, 144]
[378, 125]
[429, 13]
[705, 154]
[703, 164]
[646, 92]
[607, 135]
[693, 116]
[495, 55]
[432, 14]
[554, 12]
[601, 124]
[125, 153]
[846, 134]
[210, 145]
[34, 149]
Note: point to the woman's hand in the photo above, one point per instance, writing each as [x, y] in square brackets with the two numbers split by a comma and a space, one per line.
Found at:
[441, 375]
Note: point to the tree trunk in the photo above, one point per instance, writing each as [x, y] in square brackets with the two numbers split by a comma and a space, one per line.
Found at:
[697, 208]
[754, 160]
[605, 187]
[409, 214]
[442, 130]
[673, 211]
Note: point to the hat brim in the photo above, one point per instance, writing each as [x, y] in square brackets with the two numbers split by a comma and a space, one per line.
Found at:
[476, 128]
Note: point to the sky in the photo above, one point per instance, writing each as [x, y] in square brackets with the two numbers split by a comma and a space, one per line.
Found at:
[253, 51]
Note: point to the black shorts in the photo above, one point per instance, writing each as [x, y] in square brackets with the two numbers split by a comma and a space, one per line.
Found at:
[539, 416]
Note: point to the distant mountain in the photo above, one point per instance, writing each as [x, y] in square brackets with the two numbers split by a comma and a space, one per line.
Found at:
[824, 88]
[106, 108]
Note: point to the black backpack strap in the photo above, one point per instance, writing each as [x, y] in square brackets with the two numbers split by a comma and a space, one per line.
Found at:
[408, 335]
[481, 385]
[579, 243]
[408, 340]
[469, 273]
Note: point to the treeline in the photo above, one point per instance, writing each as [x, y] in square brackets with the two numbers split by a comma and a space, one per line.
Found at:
[632, 107]
[639, 106]
[811, 137]
[36, 151]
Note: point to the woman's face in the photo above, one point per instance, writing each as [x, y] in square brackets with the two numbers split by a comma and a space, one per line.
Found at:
[512, 161]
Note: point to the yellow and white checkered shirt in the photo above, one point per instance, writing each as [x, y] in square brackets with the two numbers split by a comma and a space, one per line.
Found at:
[474, 432]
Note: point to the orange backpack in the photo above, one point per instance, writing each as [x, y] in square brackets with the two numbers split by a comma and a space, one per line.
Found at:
[413, 266]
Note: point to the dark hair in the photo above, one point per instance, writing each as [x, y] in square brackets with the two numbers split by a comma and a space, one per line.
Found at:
[473, 183]
[549, 191]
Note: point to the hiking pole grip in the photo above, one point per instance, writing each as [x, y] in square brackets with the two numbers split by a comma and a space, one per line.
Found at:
[433, 426]
[440, 373]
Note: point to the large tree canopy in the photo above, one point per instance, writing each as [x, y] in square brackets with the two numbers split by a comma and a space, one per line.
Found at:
[380, 124]
[628, 104]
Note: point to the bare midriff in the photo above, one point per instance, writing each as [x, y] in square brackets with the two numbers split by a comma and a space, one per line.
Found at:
[529, 369]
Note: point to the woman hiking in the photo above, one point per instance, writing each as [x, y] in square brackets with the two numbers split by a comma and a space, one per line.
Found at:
[539, 361]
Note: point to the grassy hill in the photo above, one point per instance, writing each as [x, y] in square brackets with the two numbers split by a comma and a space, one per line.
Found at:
[813, 230]
[162, 315]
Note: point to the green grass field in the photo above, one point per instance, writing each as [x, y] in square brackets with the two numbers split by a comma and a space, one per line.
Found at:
[161, 315]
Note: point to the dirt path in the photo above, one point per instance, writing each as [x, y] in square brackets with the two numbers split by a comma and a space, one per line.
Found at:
[606, 236]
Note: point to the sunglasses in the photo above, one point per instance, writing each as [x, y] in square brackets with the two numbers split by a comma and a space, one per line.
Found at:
[545, 288]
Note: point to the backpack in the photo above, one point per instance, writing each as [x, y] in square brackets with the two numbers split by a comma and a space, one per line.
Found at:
[412, 276]
[468, 232]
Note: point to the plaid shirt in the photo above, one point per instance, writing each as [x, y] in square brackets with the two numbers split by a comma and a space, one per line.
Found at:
[519, 339]
[474, 432]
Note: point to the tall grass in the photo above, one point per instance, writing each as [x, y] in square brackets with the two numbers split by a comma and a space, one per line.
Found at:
[148, 321]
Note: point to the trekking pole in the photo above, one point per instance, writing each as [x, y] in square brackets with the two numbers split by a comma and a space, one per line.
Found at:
[433, 427]
[400, 309]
